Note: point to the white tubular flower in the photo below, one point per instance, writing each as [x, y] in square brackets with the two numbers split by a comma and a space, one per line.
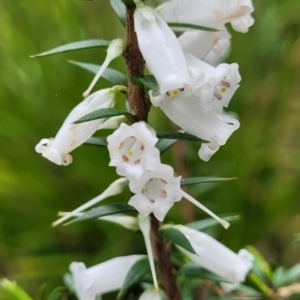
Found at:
[161, 50]
[132, 149]
[114, 50]
[202, 43]
[217, 258]
[211, 13]
[155, 192]
[219, 84]
[187, 113]
[102, 278]
[71, 136]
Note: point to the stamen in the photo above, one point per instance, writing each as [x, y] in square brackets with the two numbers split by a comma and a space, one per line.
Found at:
[137, 161]
[218, 95]
[162, 180]
[163, 193]
[125, 158]
[168, 93]
[121, 145]
[181, 89]
[225, 83]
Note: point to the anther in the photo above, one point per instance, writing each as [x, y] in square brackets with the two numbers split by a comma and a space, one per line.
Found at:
[163, 181]
[181, 89]
[225, 83]
[218, 96]
[125, 158]
[163, 193]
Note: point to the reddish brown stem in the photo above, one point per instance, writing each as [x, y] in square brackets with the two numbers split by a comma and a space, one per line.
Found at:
[163, 254]
[135, 66]
[139, 108]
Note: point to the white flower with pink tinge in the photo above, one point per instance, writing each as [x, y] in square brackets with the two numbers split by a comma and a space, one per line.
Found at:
[132, 149]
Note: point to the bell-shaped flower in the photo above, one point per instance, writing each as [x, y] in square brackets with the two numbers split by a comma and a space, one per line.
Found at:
[71, 136]
[161, 50]
[218, 85]
[132, 149]
[157, 191]
[215, 257]
[102, 278]
[212, 13]
[115, 49]
[203, 43]
[188, 113]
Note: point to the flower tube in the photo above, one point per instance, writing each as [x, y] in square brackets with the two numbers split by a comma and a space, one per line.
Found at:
[187, 113]
[71, 136]
[211, 13]
[161, 50]
[215, 257]
[102, 278]
[201, 44]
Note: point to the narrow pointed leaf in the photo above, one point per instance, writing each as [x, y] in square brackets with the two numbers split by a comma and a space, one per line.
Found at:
[97, 141]
[104, 210]
[196, 180]
[164, 144]
[207, 223]
[136, 274]
[180, 136]
[148, 81]
[193, 271]
[103, 114]
[175, 236]
[81, 45]
[184, 26]
[113, 76]
[120, 10]
[14, 290]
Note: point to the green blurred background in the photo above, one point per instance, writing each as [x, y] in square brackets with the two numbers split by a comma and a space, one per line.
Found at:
[37, 94]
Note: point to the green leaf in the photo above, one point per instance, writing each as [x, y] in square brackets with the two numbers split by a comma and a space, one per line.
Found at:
[120, 10]
[136, 274]
[57, 293]
[196, 180]
[176, 237]
[180, 136]
[104, 210]
[148, 81]
[164, 144]
[185, 26]
[113, 76]
[103, 114]
[284, 277]
[194, 271]
[97, 141]
[207, 223]
[249, 291]
[81, 45]
[14, 290]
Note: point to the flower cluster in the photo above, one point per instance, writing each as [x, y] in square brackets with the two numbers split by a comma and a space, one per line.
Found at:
[193, 93]
[193, 90]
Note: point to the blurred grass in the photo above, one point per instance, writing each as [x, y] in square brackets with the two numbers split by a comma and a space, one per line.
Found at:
[37, 94]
